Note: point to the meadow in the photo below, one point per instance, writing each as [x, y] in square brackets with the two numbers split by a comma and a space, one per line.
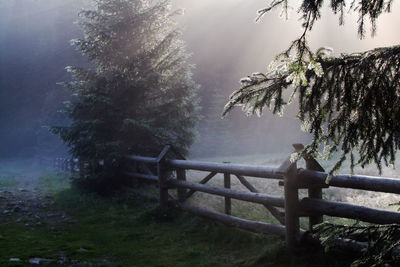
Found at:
[86, 229]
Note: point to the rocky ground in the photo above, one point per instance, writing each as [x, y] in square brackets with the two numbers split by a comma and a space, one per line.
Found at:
[30, 209]
[26, 203]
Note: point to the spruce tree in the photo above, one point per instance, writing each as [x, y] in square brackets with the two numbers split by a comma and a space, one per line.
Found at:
[138, 94]
[350, 103]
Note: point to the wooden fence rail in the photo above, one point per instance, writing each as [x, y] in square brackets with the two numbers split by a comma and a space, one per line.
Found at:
[72, 165]
[377, 184]
[169, 171]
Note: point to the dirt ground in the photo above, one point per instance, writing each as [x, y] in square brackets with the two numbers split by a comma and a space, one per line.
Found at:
[26, 203]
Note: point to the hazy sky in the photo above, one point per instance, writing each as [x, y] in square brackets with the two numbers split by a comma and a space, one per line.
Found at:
[226, 41]
[222, 36]
[228, 25]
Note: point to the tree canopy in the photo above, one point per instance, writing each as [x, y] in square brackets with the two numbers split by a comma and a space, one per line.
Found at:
[349, 103]
[138, 94]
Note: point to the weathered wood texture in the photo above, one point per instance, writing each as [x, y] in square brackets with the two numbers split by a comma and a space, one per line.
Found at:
[351, 211]
[314, 191]
[228, 202]
[162, 177]
[245, 196]
[246, 170]
[143, 177]
[142, 159]
[377, 184]
[181, 176]
[315, 219]
[292, 222]
[258, 227]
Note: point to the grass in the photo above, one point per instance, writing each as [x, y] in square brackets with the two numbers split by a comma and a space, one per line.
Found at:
[7, 181]
[126, 230]
[134, 232]
[131, 231]
[52, 182]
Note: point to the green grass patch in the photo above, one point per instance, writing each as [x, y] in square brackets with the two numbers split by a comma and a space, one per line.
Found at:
[132, 231]
[126, 230]
[52, 182]
[7, 180]
[18, 241]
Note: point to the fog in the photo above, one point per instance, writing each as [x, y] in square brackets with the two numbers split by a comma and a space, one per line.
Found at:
[223, 38]
[34, 50]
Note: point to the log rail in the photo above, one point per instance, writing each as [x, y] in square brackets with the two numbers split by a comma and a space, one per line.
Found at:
[169, 171]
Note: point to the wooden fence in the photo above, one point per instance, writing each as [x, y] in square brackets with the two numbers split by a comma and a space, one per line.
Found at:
[67, 164]
[169, 171]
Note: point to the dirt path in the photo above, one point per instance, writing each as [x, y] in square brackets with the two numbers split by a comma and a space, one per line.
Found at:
[26, 203]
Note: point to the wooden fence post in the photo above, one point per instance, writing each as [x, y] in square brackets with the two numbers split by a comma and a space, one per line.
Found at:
[228, 201]
[162, 177]
[314, 191]
[227, 185]
[181, 175]
[291, 192]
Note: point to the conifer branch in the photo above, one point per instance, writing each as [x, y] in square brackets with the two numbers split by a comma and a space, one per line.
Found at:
[353, 106]
[383, 241]
[348, 103]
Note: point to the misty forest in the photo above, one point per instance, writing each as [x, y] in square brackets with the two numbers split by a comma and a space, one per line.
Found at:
[199, 133]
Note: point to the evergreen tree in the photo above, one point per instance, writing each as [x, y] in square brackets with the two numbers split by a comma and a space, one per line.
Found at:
[139, 94]
[348, 103]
